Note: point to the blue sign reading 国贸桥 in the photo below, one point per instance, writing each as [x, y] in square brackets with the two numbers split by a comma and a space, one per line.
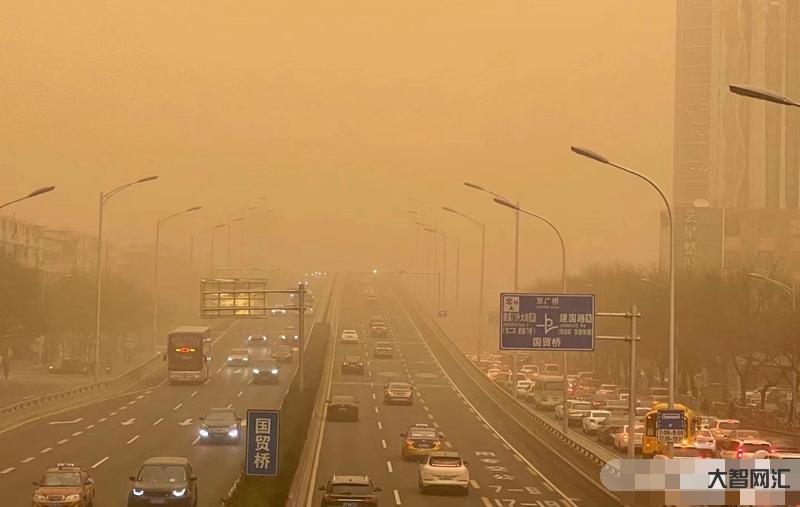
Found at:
[547, 321]
[261, 454]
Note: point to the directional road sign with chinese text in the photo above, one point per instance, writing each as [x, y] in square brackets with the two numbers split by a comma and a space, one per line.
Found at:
[670, 426]
[262, 442]
[547, 321]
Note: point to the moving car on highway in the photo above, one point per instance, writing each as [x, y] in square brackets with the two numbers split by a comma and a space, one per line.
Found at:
[69, 365]
[265, 371]
[238, 357]
[383, 350]
[593, 420]
[352, 365]
[420, 440]
[349, 336]
[219, 425]
[282, 353]
[576, 410]
[65, 484]
[443, 469]
[398, 393]
[745, 448]
[164, 480]
[621, 438]
[547, 392]
[349, 491]
[261, 340]
[342, 407]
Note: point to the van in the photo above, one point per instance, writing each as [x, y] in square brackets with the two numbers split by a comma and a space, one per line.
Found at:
[547, 392]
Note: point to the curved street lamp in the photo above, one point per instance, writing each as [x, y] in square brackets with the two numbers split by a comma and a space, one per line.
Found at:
[38, 191]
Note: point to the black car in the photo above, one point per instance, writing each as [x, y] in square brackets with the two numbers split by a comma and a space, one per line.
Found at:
[283, 353]
[259, 340]
[611, 425]
[342, 408]
[349, 491]
[164, 481]
[352, 365]
[383, 350]
[265, 371]
[69, 365]
[220, 425]
[378, 330]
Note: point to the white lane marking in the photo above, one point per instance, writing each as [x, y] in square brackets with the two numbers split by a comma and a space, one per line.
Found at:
[495, 435]
[549, 487]
[448, 444]
[77, 433]
[389, 466]
[140, 397]
[435, 425]
[380, 426]
[195, 439]
[100, 462]
[532, 472]
[383, 443]
[134, 439]
[62, 441]
[229, 405]
[376, 409]
[474, 484]
[426, 408]
[506, 446]
[219, 371]
[193, 394]
[516, 457]
[185, 422]
[123, 408]
[158, 422]
[9, 469]
[112, 414]
[486, 502]
[374, 397]
[27, 460]
[128, 422]
[397, 497]
[207, 381]
[90, 426]
[132, 402]
[239, 394]
[430, 416]
[74, 421]
[178, 406]
[45, 450]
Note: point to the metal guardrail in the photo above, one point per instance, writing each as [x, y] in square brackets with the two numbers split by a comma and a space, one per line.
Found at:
[319, 317]
[61, 395]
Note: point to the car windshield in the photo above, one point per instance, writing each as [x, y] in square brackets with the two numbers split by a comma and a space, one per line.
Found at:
[220, 418]
[397, 386]
[383, 345]
[343, 399]
[351, 489]
[162, 473]
[265, 364]
[747, 447]
[61, 479]
[728, 425]
[422, 434]
[352, 359]
[444, 461]
[239, 352]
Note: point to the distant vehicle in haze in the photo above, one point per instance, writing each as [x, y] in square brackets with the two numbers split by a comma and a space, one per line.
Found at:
[238, 357]
[219, 425]
[445, 470]
[265, 371]
[349, 490]
[65, 484]
[383, 350]
[164, 478]
[283, 353]
[420, 440]
[398, 393]
[188, 354]
[547, 392]
[592, 421]
[69, 365]
[257, 340]
[352, 365]
[342, 407]
[349, 336]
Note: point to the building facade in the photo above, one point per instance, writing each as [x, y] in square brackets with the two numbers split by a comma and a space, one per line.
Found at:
[21, 242]
[736, 160]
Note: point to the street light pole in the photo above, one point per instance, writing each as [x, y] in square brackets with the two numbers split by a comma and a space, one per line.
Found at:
[104, 197]
[442, 292]
[159, 223]
[508, 204]
[791, 290]
[38, 191]
[483, 271]
[213, 249]
[603, 160]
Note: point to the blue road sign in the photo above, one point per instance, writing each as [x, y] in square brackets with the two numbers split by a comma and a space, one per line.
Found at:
[262, 442]
[546, 321]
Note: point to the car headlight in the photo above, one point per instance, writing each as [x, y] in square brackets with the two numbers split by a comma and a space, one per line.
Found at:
[233, 433]
[38, 497]
[179, 492]
[203, 432]
[72, 498]
[246, 358]
[256, 371]
[274, 371]
[138, 492]
[230, 358]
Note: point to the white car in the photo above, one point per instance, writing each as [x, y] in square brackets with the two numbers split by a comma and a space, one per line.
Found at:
[443, 469]
[349, 336]
[723, 427]
[238, 357]
[703, 439]
[523, 387]
[621, 438]
[745, 449]
[576, 411]
[591, 422]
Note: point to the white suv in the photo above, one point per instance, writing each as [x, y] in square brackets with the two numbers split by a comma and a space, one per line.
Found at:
[443, 469]
[591, 422]
[349, 336]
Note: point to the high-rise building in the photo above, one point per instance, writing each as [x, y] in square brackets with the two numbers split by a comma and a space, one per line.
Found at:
[730, 152]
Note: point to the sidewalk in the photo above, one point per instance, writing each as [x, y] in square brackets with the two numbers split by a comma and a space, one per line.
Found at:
[26, 380]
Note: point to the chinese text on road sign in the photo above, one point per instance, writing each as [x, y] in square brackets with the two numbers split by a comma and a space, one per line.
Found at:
[262, 442]
[670, 426]
[546, 321]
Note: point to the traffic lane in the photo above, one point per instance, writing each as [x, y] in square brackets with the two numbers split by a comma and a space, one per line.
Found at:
[111, 439]
[545, 461]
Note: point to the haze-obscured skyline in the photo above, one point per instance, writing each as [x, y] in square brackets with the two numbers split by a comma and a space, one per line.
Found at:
[338, 113]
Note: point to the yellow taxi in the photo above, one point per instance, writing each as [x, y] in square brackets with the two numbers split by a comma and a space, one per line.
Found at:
[419, 441]
[65, 485]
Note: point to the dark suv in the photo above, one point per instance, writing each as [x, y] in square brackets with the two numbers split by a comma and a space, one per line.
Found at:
[349, 490]
[164, 481]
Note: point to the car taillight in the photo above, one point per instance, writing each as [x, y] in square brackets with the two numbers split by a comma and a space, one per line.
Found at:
[436, 442]
[739, 453]
[409, 443]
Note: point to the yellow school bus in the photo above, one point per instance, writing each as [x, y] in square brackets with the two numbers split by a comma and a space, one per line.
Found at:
[650, 445]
